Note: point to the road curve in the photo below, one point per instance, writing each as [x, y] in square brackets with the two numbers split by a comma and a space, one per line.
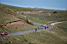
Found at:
[32, 31]
[25, 32]
[57, 23]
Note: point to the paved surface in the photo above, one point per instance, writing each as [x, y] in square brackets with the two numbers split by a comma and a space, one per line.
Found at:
[50, 26]
[25, 32]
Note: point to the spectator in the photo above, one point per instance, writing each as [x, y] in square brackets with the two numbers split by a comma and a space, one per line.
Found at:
[35, 29]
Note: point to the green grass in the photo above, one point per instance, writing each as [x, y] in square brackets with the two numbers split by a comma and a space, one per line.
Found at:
[5, 18]
[43, 37]
[38, 20]
[34, 19]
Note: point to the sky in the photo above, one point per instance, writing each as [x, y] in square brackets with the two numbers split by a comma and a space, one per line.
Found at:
[47, 4]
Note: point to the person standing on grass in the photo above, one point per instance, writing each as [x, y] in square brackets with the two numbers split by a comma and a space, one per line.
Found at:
[35, 29]
[45, 27]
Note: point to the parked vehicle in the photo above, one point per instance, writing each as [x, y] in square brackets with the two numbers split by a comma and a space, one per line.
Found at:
[4, 34]
[43, 27]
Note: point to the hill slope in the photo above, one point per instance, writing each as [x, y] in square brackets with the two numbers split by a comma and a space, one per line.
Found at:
[11, 22]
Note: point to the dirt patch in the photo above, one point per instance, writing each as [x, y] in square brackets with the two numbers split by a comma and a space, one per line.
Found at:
[18, 25]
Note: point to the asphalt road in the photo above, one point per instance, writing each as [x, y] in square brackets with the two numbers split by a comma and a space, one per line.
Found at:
[50, 26]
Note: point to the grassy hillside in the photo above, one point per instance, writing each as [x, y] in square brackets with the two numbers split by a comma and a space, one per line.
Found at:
[8, 14]
[14, 8]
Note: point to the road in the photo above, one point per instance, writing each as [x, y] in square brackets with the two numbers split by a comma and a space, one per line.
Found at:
[25, 32]
[33, 31]
[55, 23]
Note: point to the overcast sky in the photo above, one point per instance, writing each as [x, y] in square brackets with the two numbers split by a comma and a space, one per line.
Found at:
[49, 4]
